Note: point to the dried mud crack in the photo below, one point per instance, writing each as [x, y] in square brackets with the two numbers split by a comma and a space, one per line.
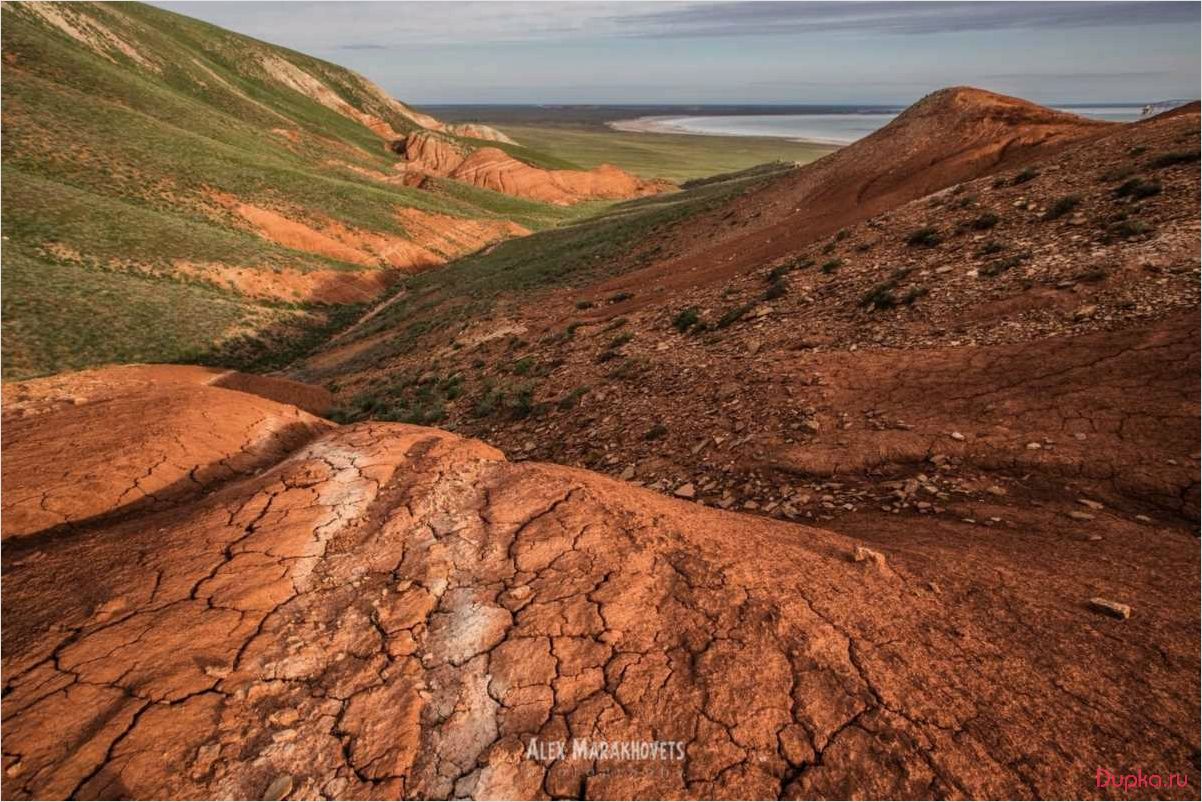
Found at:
[393, 611]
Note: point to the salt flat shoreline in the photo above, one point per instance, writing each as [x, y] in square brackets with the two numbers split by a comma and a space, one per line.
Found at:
[667, 125]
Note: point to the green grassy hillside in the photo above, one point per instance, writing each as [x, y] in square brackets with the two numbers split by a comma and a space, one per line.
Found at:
[131, 136]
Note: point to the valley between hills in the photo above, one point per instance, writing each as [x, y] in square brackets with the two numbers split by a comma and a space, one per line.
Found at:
[347, 451]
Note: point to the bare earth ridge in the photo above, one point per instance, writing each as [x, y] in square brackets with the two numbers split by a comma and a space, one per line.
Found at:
[393, 611]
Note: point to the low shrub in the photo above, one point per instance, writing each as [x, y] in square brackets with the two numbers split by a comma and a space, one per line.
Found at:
[1138, 188]
[656, 432]
[686, 319]
[1062, 206]
[732, 316]
[985, 221]
[1173, 158]
[927, 237]
[1024, 175]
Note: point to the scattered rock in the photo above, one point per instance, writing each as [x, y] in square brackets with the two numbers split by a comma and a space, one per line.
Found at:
[1093, 505]
[686, 490]
[957, 436]
[1111, 608]
[1077, 515]
[865, 554]
[280, 788]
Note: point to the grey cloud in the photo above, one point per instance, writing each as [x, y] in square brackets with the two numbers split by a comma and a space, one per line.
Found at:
[771, 18]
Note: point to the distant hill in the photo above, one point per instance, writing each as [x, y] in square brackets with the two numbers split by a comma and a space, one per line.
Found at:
[175, 191]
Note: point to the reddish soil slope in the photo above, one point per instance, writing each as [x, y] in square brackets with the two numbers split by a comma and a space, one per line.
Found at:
[107, 441]
[428, 154]
[948, 137]
[395, 611]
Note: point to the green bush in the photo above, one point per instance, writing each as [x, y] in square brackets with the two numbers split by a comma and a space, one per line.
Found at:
[927, 237]
[1176, 157]
[1138, 188]
[732, 316]
[571, 399]
[1128, 229]
[1025, 175]
[999, 266]
[777, 289]
[986, 221]
[621, 339]
[1062, 206]
[656, 432]
[686, 319]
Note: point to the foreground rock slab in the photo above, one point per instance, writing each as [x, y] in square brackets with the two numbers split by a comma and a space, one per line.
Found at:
[391, 611]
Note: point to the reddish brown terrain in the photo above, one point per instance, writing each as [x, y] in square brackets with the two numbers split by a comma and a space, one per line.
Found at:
[428, 154]
[394, 611]
[903, 503]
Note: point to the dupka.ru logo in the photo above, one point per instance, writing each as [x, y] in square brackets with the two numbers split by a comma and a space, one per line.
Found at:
[1133, 781]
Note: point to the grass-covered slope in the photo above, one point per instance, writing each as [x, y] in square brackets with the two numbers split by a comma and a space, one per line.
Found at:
[431, 310]
[138, 146]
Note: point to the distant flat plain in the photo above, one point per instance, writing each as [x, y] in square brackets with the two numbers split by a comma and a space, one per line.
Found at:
[579, 134]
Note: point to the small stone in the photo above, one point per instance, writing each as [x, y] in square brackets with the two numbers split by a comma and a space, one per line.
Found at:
[1143, 519]
[1085, 312]
[864, 554]
[627, 474]
[686, 490]
[280, 787]
[1077, 515]
[1093, 505]
[1033, 446]
[996, 490]
[957, 436]
[1110, 608]
[1094, 538]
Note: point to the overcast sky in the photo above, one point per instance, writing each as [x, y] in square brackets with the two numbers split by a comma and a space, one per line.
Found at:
[731, 52]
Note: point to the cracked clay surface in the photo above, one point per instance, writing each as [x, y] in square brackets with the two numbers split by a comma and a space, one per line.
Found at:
[389, 611]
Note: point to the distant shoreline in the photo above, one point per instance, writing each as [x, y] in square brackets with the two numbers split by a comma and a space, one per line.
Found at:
[668, 125]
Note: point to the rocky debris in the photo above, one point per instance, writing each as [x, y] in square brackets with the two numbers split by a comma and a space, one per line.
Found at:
[1111, 608]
